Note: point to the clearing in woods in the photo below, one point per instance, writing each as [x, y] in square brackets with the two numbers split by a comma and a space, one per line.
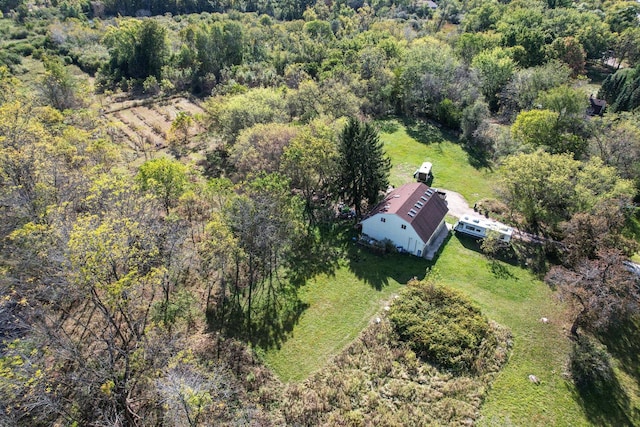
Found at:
[143, 125]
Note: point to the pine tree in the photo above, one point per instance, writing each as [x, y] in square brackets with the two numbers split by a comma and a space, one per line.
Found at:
[363, 170]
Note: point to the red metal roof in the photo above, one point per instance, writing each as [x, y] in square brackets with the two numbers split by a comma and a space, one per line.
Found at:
[417, 204]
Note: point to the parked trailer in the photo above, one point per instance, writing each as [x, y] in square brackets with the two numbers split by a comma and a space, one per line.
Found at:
[423, 174]
[480, 227]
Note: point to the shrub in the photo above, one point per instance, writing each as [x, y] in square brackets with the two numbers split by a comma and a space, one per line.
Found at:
[591, 366]
[23, 49]
[19, 34]
[151, 86]
[389, 246]
[449, 114]
[440, 325]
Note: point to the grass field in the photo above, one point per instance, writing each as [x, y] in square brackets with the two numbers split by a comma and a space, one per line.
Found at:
[513, 297]
[411, 144]
[340, 306]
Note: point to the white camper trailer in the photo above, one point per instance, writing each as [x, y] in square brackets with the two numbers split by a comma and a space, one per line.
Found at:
[424, 173]
[479, 227]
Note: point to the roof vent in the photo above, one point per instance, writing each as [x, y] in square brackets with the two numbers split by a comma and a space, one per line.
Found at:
[423, 198]
[413, 211]
[411, 214]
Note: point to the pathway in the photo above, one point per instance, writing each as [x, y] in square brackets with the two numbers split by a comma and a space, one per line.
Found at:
[458, 207]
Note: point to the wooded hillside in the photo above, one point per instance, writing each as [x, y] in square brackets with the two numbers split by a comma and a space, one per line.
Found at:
[174, 178]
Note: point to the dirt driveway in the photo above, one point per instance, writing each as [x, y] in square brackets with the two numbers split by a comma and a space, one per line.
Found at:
[458, 206]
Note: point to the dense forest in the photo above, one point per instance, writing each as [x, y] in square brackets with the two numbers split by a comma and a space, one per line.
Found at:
[170, 176]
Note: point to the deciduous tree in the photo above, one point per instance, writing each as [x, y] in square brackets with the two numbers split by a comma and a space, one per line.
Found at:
[137, 48]
[179, 133]
[495, 68]
[616, 140]
[601, 290]
[539, 186]
[310, 162]
[260, 147]
[570, 51]
[59, 88]
[165, 178]
[547, 189]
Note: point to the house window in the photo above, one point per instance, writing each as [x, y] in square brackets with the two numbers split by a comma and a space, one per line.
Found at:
[404, 227]
[383, 219]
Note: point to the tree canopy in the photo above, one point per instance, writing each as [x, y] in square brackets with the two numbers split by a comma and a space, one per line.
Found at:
[363, 167]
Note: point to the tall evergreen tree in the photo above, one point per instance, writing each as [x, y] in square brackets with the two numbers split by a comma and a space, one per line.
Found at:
[363, 167]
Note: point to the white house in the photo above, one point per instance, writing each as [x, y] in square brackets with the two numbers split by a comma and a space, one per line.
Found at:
[479, 227]
[412, 217]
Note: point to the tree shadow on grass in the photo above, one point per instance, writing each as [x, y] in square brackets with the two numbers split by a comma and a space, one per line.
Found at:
[623, 341]
[273, 318]
[597, 72]
[477, 157]
[276, 326]
[388, 125]
[426, 132]
[601, 395]
[272, 327]
[507, 254]
[376, 269]
[319, 252]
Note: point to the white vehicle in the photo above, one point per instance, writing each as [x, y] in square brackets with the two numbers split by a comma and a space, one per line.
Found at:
[424, 173]
[480, 227]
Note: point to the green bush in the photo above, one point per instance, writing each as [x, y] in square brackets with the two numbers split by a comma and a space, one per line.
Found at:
[591, 365]
[22, 49]
[449, 114]
[10, 59]
[440, 325]
[19, 34]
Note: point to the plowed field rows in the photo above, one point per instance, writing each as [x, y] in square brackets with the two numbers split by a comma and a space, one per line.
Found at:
[150, 122]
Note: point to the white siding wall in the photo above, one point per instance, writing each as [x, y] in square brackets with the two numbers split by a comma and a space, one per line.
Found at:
[392, 229]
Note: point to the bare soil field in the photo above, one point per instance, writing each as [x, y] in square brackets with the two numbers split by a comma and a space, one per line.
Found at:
[145, 124]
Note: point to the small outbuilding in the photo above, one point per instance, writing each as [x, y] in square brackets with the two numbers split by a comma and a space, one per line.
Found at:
[596, 106]
[424, 173]
[412, 217]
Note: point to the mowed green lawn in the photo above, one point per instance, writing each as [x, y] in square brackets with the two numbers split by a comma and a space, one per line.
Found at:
[342, 304]
[339, 307]
[409, 147]
[515, 298]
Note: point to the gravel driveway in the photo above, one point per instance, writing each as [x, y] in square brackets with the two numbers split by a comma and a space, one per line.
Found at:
[458, 206]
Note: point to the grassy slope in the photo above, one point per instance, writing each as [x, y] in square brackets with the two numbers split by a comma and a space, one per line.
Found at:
[408, 147]
[340, 306]
[513, 297]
